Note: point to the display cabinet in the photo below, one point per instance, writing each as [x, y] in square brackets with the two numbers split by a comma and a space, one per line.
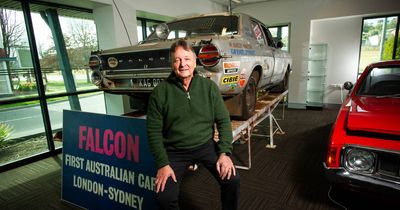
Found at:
[317, 59]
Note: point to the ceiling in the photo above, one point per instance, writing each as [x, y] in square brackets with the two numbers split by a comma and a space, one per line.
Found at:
[70, 8]
[239, 2]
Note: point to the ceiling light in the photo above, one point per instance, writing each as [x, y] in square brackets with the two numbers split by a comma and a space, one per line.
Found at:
[237, 1]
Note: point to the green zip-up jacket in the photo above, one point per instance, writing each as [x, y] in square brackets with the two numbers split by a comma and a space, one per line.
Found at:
[180, 119]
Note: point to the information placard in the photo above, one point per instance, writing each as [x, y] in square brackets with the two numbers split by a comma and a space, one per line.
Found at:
[106, 162]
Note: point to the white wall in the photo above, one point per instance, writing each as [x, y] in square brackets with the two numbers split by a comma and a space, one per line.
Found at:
[343, 52]
[300, 14]
[336, 22]
[111, 30]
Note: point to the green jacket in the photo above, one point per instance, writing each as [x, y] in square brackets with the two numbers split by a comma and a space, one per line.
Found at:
[177, 119]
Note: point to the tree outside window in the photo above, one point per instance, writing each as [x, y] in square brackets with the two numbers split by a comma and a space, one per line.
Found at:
[378, 40]
[16, 69]
[11, 34]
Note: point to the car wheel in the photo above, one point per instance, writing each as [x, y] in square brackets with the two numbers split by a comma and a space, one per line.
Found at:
[284, 85]
[249, 97]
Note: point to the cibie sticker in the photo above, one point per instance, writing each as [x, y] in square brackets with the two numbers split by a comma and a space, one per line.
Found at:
[231, 67]
[112, 62]
[230, 79]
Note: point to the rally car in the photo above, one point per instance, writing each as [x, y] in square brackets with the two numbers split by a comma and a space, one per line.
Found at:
[235, 51]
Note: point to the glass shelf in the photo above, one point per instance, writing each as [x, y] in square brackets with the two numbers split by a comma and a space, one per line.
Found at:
[316, 75]
[315, 90]
[318, 52]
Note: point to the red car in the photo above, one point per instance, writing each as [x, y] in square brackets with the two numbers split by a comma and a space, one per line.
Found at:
[364, 146]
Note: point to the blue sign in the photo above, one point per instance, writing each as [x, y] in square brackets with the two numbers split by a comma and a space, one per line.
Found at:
[106, 162]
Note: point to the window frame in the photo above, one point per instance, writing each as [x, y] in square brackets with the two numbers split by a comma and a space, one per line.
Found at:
[42, 97]
[144, 22]
[279, 33]
[395, 44]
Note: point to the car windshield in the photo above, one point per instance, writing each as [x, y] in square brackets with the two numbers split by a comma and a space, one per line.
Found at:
[381, 82]
[209, 25]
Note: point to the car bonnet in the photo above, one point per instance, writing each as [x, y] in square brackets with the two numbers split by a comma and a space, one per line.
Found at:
[376, 115]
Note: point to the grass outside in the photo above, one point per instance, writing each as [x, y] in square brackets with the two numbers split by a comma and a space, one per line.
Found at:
[21, 148]
[51, 88]
[367, 57]
[59, 86]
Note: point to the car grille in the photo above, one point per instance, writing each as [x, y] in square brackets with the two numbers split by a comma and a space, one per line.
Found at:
[154, 59]
[388, 166]
[131, 62]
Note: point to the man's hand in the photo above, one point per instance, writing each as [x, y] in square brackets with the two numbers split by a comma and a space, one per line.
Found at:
[163, 174]
[225, 167]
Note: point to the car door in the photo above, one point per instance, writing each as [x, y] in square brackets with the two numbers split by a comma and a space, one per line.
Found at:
[278, 70]
[266, 56]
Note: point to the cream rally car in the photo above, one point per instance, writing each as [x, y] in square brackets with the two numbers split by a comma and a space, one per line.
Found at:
[236, 51]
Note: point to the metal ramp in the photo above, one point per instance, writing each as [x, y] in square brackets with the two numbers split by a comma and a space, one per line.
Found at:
[242, 130]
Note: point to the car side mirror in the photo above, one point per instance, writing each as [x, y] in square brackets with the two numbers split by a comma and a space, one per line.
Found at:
[348, 85]
[279, 44]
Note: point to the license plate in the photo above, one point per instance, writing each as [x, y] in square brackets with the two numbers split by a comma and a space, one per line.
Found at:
[146, 82]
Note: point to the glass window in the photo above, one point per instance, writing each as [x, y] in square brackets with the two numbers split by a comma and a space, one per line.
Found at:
[381, 82]
[148, 24]
[177, 34]
[80, 39]
[218, 25]
[268, 36]
[17, 75]
[281, 33]
[16, 65]
[139, 29]
[93, 102]
[257, 33]
[378, 40]
[22, 124]
[21, 132]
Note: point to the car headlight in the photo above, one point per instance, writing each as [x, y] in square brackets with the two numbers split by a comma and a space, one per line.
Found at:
[358, 160]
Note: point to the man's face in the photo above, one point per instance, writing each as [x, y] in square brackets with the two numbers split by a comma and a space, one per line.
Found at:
[183, 63]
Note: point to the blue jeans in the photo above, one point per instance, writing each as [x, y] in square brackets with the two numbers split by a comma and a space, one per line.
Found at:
[179, 162]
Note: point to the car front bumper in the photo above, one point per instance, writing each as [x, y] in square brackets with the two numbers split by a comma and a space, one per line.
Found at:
[359, 182]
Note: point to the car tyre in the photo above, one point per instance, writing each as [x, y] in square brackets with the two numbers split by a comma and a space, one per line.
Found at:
[284, 85]
[249, 96]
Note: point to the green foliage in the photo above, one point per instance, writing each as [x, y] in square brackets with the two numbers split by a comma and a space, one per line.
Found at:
[373, 32]
[28, 86]
[5, 132]
[388, 49]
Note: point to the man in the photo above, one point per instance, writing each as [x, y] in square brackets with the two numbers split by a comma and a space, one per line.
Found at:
[181, 115]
